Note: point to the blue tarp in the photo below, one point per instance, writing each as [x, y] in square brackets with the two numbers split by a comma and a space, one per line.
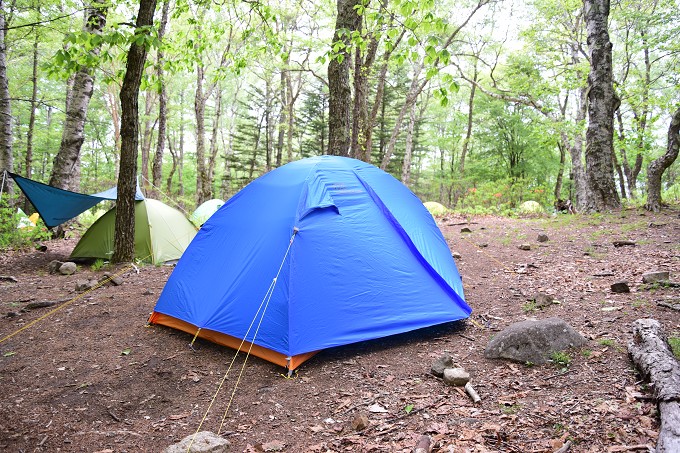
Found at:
[367, 261]
[56, 206]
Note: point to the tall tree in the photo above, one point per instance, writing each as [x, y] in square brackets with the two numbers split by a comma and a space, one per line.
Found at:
[658, 166]
[6, 156]
[601, 191]
[124, 238]
[157, 165]
[64, 167]
[347, 21]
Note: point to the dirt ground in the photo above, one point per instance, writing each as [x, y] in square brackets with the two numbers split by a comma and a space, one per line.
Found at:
[91, 376]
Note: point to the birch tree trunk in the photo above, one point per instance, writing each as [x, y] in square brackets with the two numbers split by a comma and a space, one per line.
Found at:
[657, 167]
[65, 164]
[199, 112]
[124, 238]
[157, 166]
[408, 150]
[600, 188]
[339, 90]
[6, 156]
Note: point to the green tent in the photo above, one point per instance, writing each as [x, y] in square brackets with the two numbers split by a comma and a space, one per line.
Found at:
[162, 234]
[205, 210]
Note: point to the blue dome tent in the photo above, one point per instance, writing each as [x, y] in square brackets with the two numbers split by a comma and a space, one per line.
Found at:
[321, 252]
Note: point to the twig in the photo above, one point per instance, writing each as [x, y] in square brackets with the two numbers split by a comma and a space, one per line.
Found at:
[8, 278]
[466, 337]
[558, 374]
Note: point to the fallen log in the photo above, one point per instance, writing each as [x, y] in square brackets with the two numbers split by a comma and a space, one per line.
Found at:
[652, 355]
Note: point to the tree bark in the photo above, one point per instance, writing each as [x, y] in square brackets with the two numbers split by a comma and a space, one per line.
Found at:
[28, 171]
[600, 187]
[658, 166]
[6, 156]
[408, 149]
[157, 166]
[654, 358]
[340, 93]
[65, 164]
[124, 239]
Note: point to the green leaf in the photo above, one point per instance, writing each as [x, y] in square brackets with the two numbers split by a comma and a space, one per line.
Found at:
[408, 408]
[126, 351]
[9, 354]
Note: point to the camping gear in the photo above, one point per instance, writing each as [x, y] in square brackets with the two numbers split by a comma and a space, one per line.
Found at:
[204, 211]
[162, 234]
[24, 220]
[57, 206]
[321, 252]
[435, 208]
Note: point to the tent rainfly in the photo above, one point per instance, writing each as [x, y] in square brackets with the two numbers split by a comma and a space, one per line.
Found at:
[336, 252]
[162, 234]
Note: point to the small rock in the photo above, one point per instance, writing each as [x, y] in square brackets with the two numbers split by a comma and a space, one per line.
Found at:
[84, 285]
[623, 243]
[542, 300]
[483, 245]
[465, 230]
[360, 422]
[54, 266]
[542, 238]
[525, 247]
[533, 341]
[620, 287]
[456, 376]
[114, 281]
[657, 276]
[68, 268]
[441, 364]
[11, 314]
[456, 255]
[148, 292]
[202, 442]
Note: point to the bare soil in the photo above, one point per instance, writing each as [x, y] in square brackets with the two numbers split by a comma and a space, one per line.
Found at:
[89, 375]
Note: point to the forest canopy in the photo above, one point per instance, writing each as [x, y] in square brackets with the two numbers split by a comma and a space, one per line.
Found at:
[475, 104]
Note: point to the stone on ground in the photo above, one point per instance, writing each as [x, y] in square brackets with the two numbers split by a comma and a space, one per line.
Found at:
[203, 442]
[68, 268]
[456, 376]
[442, 363]
[533, 341]
[620, 287]
[542, 238]
[657, 276]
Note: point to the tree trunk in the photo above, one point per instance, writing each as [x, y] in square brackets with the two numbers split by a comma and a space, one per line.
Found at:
[6, 156]
[360, 117]
[157, 166]
[408, 150]
[600, 188]
[340, 100]
[658, 166]
[147, 134]
[411, 97]
[28, 171]
[213, 145]
[653, 356]
[124, 239]
[468, 131]
[78, 99]
[557, 193]
[199, 111]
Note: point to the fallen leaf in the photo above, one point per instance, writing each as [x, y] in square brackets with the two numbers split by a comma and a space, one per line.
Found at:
[179, 416]
[377, 409]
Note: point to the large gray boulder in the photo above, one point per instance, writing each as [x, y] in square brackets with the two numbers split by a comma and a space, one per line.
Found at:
[204, 442]
[533, 341]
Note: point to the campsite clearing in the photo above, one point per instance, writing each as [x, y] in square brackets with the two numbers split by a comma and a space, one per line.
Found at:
[91, 377]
